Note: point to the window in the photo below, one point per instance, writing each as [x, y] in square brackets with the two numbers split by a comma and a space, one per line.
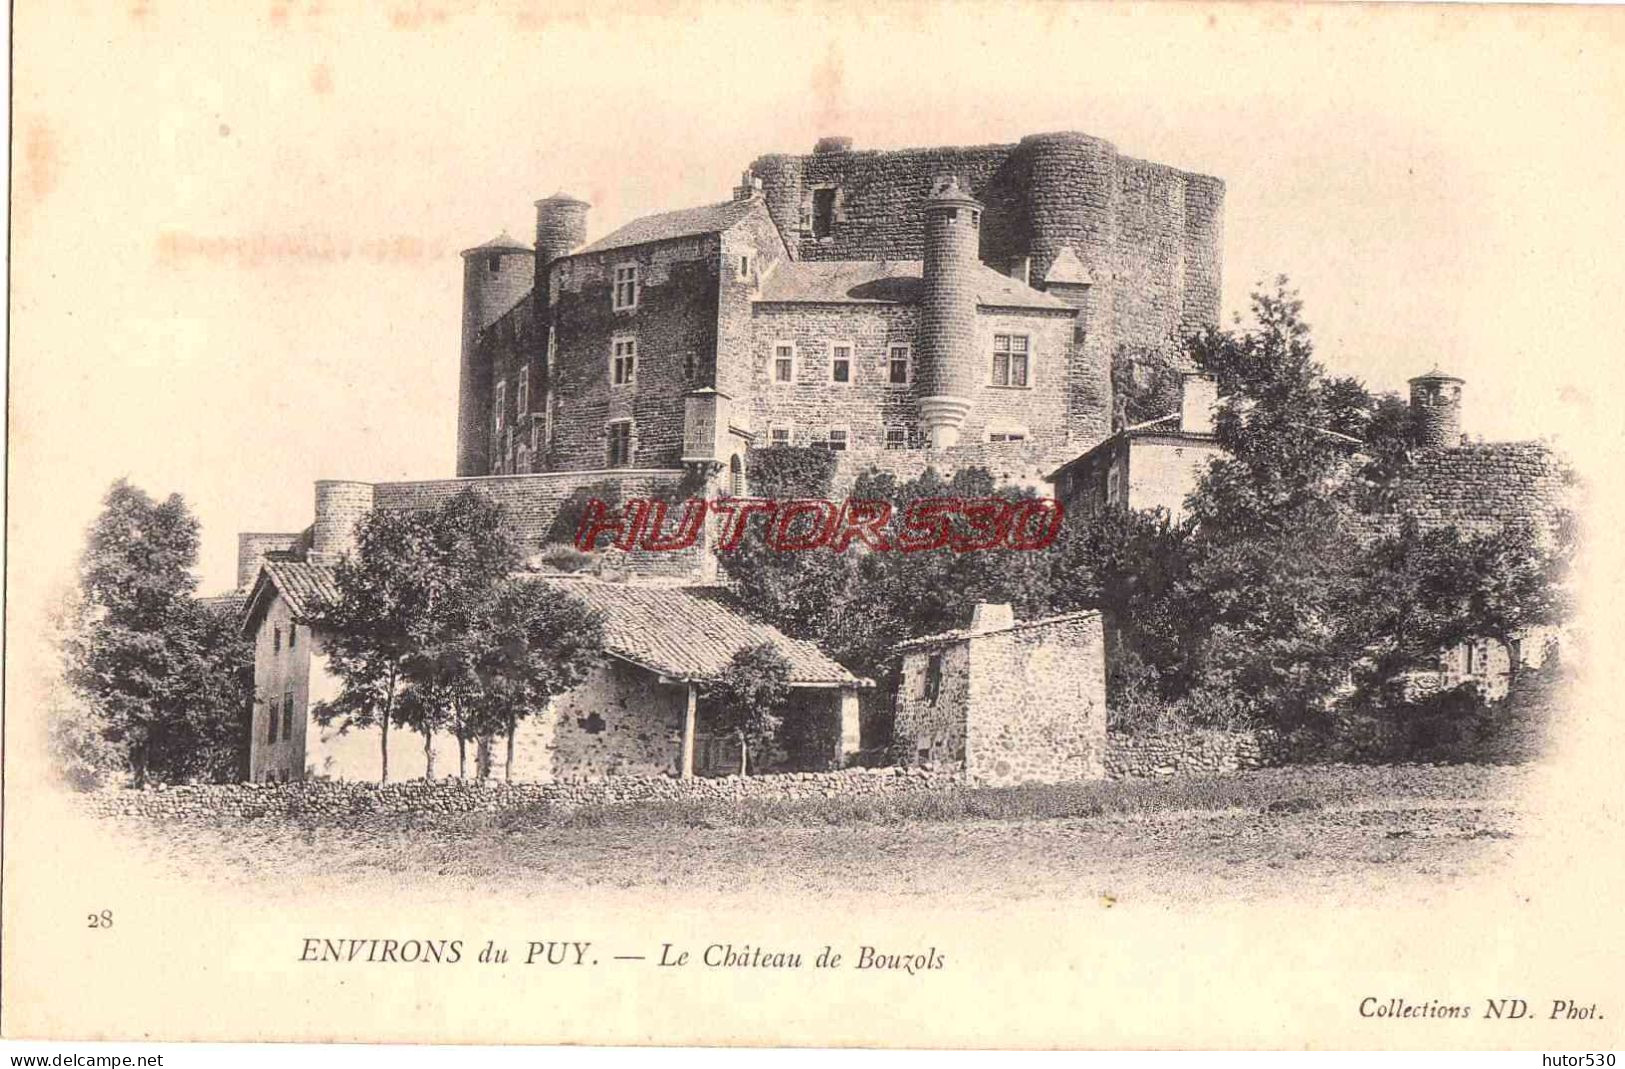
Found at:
[840, 362]
[898, 359]
[784, 362]
[499, 406]
[689, 366]
[620, 443]
[276, 639]
[997, 433]
[744, 267]
[736, 476]
[896, 437]
[623, 361]
[494, 265]
[1009, 359]
[626, 287]
[823, 213]
[522, 395]
[287, 716]
[836, 440]
[933, 678]
[293, 635]
[779, 435]
[275, 713]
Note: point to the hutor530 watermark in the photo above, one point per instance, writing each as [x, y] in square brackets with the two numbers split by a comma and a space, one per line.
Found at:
[960, 524]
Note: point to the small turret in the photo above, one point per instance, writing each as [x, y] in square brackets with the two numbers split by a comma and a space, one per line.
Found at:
[561, 228]
[1436, 403]
[945, 365]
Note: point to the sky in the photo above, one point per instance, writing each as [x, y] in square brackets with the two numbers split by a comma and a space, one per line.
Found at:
[236, 233]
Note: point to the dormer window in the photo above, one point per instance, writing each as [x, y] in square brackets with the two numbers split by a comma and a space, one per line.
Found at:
[626, 287]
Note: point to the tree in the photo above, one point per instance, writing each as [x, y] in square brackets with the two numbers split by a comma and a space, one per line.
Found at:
[748, 697]
[534, 643]
[374, 625]
[472, 553]
[165, 678]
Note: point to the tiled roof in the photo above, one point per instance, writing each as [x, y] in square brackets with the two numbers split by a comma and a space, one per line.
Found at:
[887, 282]
[965, 632]
[683, 223]
[302, 585]
[690, 633]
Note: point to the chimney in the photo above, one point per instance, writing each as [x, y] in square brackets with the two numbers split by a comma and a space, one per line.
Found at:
[990, 617]
[1199, 395]
[749, 186]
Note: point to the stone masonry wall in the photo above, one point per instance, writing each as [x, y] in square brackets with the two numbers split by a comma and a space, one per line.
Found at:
[1481, 488]
[357, 801]
[812, 404]
[1037, 704]
[534, 503]
[1188, 753]
[675, 324]
[1151, 236]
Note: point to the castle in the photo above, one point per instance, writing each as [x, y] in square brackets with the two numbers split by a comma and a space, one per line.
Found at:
[884, 305]
[948, 306]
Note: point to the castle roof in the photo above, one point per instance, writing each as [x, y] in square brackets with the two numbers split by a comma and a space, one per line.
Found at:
[503, 242]
[683, 223]
[888, 282]
[691, 633]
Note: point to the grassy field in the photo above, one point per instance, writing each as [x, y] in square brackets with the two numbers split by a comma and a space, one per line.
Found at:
[1327, 831]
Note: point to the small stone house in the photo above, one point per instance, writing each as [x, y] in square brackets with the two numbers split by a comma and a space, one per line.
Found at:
[639, 713]
[1007, 702]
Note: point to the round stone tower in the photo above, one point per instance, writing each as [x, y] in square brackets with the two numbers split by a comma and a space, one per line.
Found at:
[340, 505]
[945, 366]
[1436, 402]
[561, 228]
[496, 276]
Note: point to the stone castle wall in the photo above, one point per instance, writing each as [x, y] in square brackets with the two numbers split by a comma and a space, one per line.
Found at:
[675, 325]
[1150, 235]
[1481, 488]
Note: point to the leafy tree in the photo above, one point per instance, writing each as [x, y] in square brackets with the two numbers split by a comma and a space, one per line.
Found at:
[749, 696]
[1146, 384]
[534, 643]
[165, 678]
[472, 554]
[374, 627]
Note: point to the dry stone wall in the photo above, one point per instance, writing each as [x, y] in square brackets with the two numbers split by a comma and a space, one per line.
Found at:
[361, 800]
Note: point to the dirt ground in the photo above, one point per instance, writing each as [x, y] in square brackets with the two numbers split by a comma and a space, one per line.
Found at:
[1325, 835]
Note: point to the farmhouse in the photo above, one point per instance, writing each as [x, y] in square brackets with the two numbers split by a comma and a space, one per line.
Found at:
[639, 713]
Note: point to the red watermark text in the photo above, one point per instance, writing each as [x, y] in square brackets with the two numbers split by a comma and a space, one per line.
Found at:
[960, 524]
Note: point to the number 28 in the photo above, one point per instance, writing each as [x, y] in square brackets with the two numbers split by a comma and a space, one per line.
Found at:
[104, 919]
